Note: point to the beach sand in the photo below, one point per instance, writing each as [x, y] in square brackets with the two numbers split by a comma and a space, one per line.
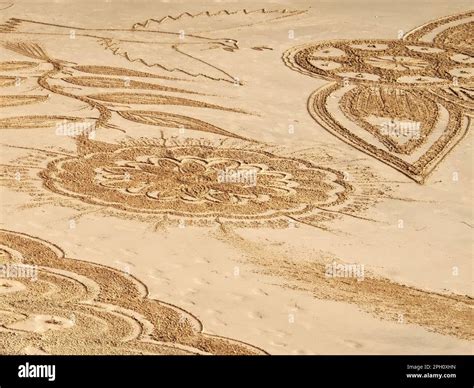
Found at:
[214, 178]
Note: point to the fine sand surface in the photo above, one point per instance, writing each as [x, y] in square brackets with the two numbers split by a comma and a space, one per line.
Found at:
[218, 178]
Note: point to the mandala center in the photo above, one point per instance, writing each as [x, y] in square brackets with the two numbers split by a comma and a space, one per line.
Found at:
[193, 180]
[398, 63]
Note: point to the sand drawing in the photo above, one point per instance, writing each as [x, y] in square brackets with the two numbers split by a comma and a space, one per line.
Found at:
[76, 307]
[104, 82]
[108, 103]
[186, 55]
[179, 48]
[125, 177]
[16, 65]
[4, 6]
[20, 100]
[152, 131]
[222, 20]
[406, 102]
[172, 179]
[131, 177]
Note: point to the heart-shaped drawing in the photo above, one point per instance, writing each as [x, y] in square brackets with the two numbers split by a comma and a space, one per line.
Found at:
[406, 102]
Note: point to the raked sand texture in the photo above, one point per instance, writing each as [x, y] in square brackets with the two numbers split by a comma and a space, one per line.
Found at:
[220, 178]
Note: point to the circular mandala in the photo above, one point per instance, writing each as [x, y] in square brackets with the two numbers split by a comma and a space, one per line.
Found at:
[197, 181]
